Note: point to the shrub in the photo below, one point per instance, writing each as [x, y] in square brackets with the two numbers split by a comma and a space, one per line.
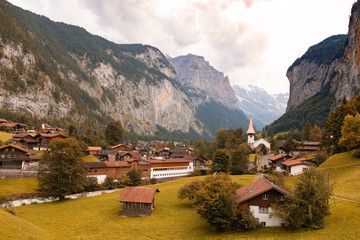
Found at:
[109, 183]
[356, 153]
[246, 221]
[91, 184]
[135, 176]
[153, 181]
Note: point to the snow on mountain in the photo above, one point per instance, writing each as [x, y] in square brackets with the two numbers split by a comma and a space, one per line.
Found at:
[262, 106]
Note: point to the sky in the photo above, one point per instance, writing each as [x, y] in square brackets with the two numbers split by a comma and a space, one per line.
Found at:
[253, 42]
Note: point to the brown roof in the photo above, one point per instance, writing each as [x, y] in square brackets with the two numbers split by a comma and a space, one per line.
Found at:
[277, 157]
[94, 148]
[251, 127]
[120, 145]
[14, 146]
[116, 163]
[256, 188]
[295, 161]
[3, 120]
[96, 164]
[51, 135]
[133, 154]
[139, 195]
[21, 135]
[175, 160]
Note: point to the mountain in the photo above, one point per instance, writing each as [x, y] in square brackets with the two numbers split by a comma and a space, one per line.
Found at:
[211, 93]
[51, 69]
[262, 106]
[327, 73]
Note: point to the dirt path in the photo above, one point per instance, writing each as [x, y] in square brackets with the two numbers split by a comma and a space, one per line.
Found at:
[345, 199]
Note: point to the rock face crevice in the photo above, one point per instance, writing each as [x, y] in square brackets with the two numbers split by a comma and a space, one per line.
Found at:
[337, 63]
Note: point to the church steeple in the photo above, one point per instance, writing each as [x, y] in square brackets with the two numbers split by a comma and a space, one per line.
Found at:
[251, 132]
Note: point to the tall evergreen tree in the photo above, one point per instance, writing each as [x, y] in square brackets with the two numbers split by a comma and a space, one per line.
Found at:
[221, 161]
[114, 133]
[306, 131]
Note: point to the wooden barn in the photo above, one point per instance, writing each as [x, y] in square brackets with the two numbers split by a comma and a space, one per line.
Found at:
[137, 201]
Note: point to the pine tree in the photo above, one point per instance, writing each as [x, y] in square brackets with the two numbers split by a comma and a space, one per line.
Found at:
[306, 131]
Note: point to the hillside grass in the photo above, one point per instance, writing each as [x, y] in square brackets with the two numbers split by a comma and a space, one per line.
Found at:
[252, 157]
[98, 218]
[13, 227]
[4, 136]
[18, 185]
[90, 158]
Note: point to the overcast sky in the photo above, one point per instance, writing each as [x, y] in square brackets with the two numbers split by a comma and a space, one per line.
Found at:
[251, 41]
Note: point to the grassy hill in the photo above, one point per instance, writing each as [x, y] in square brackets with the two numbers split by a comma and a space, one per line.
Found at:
[13, 227]
[98, 217]
[4, 136]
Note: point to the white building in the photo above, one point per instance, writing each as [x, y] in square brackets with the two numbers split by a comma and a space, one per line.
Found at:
[170, 168]
[251, 133]
[258, 197]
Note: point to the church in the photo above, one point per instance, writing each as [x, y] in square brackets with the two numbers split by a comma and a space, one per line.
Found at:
[251, 138]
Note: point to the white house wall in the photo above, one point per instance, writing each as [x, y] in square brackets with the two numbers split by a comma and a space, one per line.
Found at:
[100, 178]
[177, 171]
[294, 170]
[264, 217]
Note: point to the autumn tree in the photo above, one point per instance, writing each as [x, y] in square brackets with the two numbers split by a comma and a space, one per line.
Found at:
[135, 176]
[309, 205]
[315, 134]
[114, 133]
[273, 144]
[214, 199]
[240, 160]
[62, 170]
[221, 161]
[350, 132]
[290, 145]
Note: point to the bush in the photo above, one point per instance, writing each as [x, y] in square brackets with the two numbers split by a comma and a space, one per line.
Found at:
[91, 184]
[153, 181]
[123, 181]
[320, 157]
[109, 183]
[189, 190]
[3, 199]
[246, 221]
[356, 153]
[135, 176]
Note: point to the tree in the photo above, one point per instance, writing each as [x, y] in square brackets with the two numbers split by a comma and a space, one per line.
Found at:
[315, 134]
[62, 170]
[135, 176]
[221, 161]
[240, 160]
[273, 144]
[350, 132]
[290, 145]
[306, 131]
[214, 200]
[263, 149]
[309, 205]
[114, 133]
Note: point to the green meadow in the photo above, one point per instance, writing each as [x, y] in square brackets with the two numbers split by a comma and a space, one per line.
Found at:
[98, 217]
[4, 136]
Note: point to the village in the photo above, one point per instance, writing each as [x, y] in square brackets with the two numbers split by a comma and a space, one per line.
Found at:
[20, 158]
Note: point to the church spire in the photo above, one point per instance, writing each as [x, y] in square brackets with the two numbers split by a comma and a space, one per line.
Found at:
[251, 127]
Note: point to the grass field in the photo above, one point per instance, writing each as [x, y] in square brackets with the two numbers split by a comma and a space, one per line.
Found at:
[18, 185]
[4, 136]
[98, 218]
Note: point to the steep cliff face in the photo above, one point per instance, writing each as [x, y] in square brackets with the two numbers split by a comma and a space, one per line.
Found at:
[57, 70]
[203, 82]
[211, 93]
[334, 61]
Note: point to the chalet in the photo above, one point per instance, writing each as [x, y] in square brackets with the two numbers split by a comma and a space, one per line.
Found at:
[163, 152]
[14, 127]
[116, 169]
[178, 153]
[307, 147]
[3, 121]
[199, 163]
[123, 155]
[170, 168]
[294, 166]
[258, 197]
[121, 147]
[15, 157]
[276, 161]
[44, 139]
[106, 155]
[137, 201]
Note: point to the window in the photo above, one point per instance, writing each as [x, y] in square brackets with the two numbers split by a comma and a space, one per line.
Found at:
[263, 224]
[265, 197]
[6, 149]
[263, 210]
[282, 198]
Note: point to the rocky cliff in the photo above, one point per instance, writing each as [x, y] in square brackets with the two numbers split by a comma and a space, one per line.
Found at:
[58, 70]
[334, 61]
[210, 91]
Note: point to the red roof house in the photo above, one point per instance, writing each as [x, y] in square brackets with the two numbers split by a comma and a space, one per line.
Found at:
[258, 197]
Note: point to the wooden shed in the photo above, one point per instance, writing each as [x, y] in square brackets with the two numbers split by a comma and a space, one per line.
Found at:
[137, 201]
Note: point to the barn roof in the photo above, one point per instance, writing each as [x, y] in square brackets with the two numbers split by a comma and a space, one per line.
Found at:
[256, 188]
[139, 195]
[279, 156]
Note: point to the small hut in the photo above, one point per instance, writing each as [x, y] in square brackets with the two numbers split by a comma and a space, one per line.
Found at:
[137, 201]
